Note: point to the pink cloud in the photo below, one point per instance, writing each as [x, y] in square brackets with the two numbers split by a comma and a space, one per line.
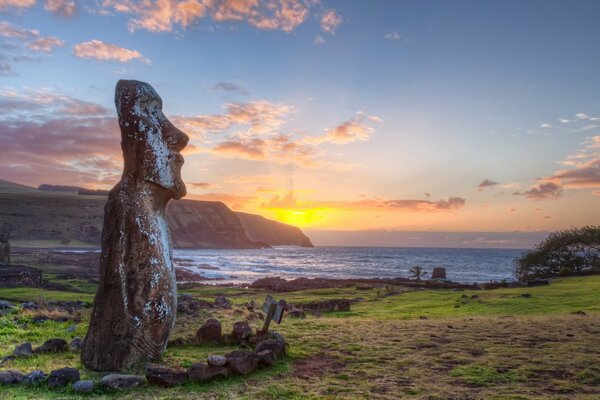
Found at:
[65, 8]
[18, 4]
[330, 20]
[542, 191]
[45, 44]
[98, 50]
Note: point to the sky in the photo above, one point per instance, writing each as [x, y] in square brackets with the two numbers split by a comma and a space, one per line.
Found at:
[366, 116]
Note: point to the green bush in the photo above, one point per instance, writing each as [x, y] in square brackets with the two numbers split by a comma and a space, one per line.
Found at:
[570, 252]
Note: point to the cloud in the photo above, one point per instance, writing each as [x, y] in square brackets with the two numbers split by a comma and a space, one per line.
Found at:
[320, 40]
[46, 44]
[65, 8]
[201, 185]
[585, 171]
[229, 87]
[546, 190]
[357, 129]
[392, 35]
[486, 183]
[18, 4]
[12, 31]
[330, 20]
[165, 15]
[289, 201]
[252, 149]
[545, 126]
[98, 50]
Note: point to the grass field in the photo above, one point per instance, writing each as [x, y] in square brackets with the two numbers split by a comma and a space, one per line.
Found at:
[525, 343]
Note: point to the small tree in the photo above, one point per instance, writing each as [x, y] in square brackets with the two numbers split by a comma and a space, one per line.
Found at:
[417, 272]
[573, 251]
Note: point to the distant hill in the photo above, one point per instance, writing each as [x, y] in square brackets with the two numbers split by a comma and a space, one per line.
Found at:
[55, 218]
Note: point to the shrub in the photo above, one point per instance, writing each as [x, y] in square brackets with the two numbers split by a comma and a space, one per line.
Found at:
[569, 252]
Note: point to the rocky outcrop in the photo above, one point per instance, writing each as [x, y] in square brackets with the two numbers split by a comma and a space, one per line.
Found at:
[20, 275]
[261, 229]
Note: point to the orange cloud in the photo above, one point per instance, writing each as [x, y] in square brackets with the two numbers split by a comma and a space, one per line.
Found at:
[201, 185]
[98, 50]
[330, 20]
[46, 44]
[585, 171]
[353, 130]
[164, 15]
[32, 38]
[546, 190]
[65, 8]
[6, 4]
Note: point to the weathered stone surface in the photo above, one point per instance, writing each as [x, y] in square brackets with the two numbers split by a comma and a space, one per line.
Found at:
[166, 377]
[136, 303]
[438, 273]
[19, 275]
[62, 377]
[5, 304]
[83, 386]
[202, 372]
[241, 332]
[52, 346]
[121, 381]
[4, 245]
[241, 361]
[276, 346]
[209, 332]
[10, 377]
[266, 358]
[222, 302]
[33, 378]
[23, 350]
[76, 344]
[216, 361]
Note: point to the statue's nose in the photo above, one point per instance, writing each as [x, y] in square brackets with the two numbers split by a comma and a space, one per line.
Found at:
[176, 139]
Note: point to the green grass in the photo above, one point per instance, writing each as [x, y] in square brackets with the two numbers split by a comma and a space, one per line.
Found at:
[497, 346]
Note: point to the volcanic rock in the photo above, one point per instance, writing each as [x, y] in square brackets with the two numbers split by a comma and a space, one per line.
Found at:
[10, 377]
[62, 377]
[52, 346]
[121, 381]
[164, 376]
[241, 361]
[202, 372]
[23, 350]
[83, 386]
[266, 358]
[34, 378]
[276, 346]
[209, 332]
[241, 332]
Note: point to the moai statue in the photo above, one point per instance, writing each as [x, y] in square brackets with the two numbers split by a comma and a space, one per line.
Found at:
[136, 303]
[4, 246]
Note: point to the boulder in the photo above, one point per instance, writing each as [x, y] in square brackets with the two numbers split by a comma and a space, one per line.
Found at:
[266, 358]
[121, 381]
[62, 377]
[52, 346]
[76, 344]
[10, 377]
[438, 273]
[209, 332]
[241, 332]
[164, 376]
[201, 372]
[296, 313]
[222, 302]
[241, 362]
[276, 346]
[216, 361]
[34, 378]
[30, 305]
[23, 350]
[284, 304]
[83, 386]
[5, 305]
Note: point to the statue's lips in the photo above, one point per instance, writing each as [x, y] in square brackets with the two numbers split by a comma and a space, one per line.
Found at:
[177, 158]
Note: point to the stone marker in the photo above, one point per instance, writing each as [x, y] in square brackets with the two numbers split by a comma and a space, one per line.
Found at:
[164, 376]
[136, 302]
[201, 372]
[209, 332]
[438, 273]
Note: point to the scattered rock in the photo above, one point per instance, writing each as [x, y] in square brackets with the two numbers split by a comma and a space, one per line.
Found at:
[52, 346]
[30, 305]
[83, 386]
[222, 302]
[201, 372]
[23, 350]
[475, 296]
[121, 381]
[76, 344]
[578, 313]
[326, 305]
[5, 305]
[242, 361]
[38, 319]
[164, 376]
[422, 317]
[209, 332]
[251, 305]
[296, 313]
[217, 361]
[62, 377]
[187, 304]
[276, 346]
[241, 332]
[266, 358]
[71, 329]
[34, 378]
[10, 377]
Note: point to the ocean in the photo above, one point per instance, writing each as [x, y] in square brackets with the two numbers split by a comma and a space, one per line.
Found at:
[244, 266]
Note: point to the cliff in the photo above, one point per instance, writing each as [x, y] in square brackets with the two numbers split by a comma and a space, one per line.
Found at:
[261, 229]
[54, 218]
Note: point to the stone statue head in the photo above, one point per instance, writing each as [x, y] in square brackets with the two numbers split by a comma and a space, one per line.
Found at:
[151, 143]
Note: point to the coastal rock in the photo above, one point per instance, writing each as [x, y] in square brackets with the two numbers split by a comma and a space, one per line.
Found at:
[276, 346]
[62, 377]
[209, 332]
[266, 358]
[83, 386]
[241, 361]
[136, 302]
[201, 372]
[164, 376]
[52, 346]
[438, 273]
[121, 381]
[23, 350]
[10, 377]
[241, 332]
[216, 361]
[34, 378]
